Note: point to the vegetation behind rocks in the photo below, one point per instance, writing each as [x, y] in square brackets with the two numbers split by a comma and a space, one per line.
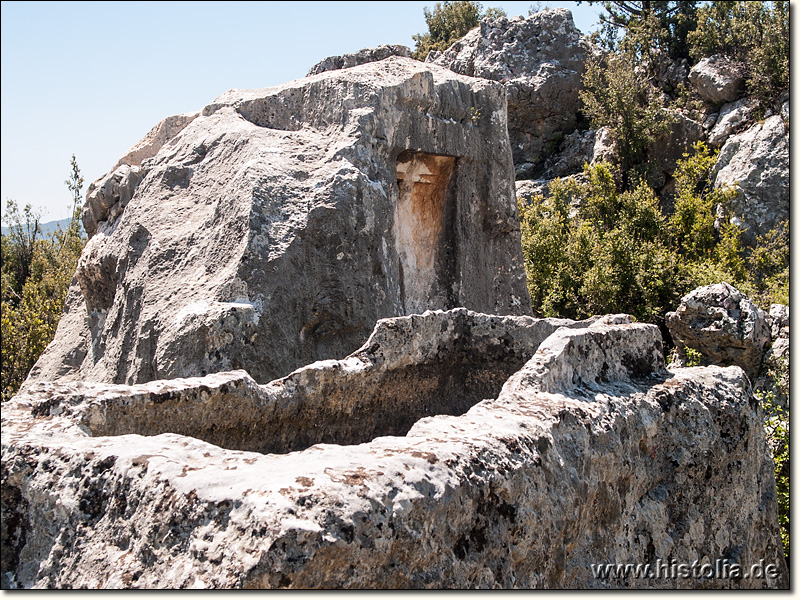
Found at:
[35, 275]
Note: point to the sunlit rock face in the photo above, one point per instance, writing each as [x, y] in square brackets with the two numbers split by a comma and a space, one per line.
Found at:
[453, 450]
[278, 225]
[540, 59]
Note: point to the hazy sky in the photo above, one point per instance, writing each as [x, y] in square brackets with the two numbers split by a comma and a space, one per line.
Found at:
[91, 78]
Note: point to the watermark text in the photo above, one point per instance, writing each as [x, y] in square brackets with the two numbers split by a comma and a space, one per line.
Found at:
[672, 569]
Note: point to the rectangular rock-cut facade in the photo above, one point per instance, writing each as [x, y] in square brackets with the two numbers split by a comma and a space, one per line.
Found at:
[422, 230]
[278, 225]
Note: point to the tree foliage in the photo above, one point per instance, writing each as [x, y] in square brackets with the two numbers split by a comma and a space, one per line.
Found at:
[615, 95]
[777, 428]
[753, 33]
[591, 249]
[448, 22]
[648, 25]
[34, 277]
[610, 253]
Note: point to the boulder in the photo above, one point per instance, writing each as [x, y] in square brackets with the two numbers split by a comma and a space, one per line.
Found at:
[108, 196]
[280, 224]
[363, 56]
[784, 102]
[774, 377]
[756, 161]
[605, 146]
[669, 148]
[159, 135]
[732, 117]
[589, 455]
[564, 156]
[723, 324]
[540, 60]
[669, 73]
[573, 152]
[717, 79]
[779, 321]
[528, 188]
[710, 121]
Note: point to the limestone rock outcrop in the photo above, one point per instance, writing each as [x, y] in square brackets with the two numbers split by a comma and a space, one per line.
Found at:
[670, 73]
[277, 226]
[779, 321]
[591, 454]
[732, 117]
[669, 148]
[363, 56]
[540, 60]
[159, 135]
[528, 188]
[723, 324]
[717, 79]
[605, 146]
[573, 152]
[756, 162]
[774, 376]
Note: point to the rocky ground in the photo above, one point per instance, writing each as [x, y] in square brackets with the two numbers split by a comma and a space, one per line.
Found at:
[239, 396]
[591, 453]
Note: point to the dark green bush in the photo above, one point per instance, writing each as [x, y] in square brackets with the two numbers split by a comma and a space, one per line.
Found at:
[447, 23]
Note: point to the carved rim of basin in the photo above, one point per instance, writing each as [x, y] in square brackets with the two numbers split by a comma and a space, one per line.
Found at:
[320, 497]
[438, 363]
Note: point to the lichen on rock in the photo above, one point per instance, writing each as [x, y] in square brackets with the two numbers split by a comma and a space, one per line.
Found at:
[272, 228]
[592, 453]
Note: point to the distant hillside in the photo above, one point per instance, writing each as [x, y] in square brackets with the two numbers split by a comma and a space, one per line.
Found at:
[47, 228]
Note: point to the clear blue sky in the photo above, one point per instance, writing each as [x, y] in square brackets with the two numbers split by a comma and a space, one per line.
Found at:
[91, 78]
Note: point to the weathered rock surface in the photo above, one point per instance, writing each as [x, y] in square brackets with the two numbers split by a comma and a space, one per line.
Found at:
[669, 73]
[159, 135]
[774, 376]
[784, 100]
[590, 454]
[667, 150]
[574, 151]
[732, 117]
[540, 60]
[528, 188]
[723, 324]
[605, 146]
[717, 79]
[363, 56]
[108, 197]
[279, 225]
[565, 156]
[757, 162]
[779, 321]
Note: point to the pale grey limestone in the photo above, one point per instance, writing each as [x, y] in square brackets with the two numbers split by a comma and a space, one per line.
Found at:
[363, 56]
[591, 453]
[717, 79]
[540, 60]
[276, 228]
[723, 324]
[756, 163]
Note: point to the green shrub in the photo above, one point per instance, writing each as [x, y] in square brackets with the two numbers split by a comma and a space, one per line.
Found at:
[447, 23]
[754, 33]
[615, 95]
[591, 249]
[35, 275]
[777, 429]
[612, 255]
